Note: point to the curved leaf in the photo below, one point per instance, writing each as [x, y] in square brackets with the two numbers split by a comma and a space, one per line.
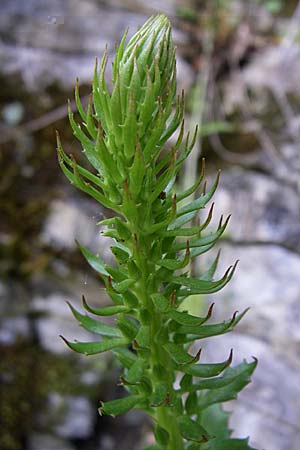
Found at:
[94, 261]
[93, 348]
[207, 370]
[120, 406]
[105, 311]
[94, 325]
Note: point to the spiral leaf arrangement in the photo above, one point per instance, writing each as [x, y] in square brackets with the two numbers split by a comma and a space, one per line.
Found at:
[123, 136]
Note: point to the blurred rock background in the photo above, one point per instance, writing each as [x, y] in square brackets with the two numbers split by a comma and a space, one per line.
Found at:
[239, 63]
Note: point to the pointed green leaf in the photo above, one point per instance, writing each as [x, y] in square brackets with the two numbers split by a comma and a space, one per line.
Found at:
[120, 406]
[124, 285]
[198, 286]
[128, 327]
[160, 302]
[203, 241]
[208, 275]
[160, 395]
[81, 111]
[161, 435]
[106, 310]
[204, 331]
[200, 202]
[183, 318]
[207, 370]
[143, 336]
[228, 444]
[95, 326]
[191, 404]
[93, 348]
[130, 128]
[125, 356]
[228, 392]
[137, 172]
[94, 260]
[216, 421]
[191, 430]
[243, 370]
[136, 371]
[178, 354]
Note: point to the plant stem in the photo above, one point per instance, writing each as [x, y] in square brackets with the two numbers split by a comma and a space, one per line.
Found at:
[168, 421]
[165, 415]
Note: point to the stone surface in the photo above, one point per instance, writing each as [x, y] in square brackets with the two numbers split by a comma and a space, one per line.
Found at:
[70, 220]
[276, 60]
[78, 419]
[39, 441]
[54, 318]
[267, 281]
[262, 209]
[14, 323]
[268, 409]
[13, 329]
[48, 43]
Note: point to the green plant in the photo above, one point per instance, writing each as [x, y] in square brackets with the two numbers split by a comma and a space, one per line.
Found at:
[123, 137]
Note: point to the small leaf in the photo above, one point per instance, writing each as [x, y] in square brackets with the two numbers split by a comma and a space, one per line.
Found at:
[125, 356]
[127, 326]
[191, 430]
[216, 421]
[243, 370]
[120, 406]
[95, 326]
[137, 171]
[160, 302]
[143, 336]
[229, 392]
[204, 331]
[130, 128]
[191, 404]
[106, 311]
[208, 275]
[161, 435]
[183, 318]
[92, 348]
[136, 371]
[200, 202]
[228, 444]
[186, 383]
[120, 254]
[94, 261]
[160, 395]
[123, 285]
[198, 286]
[178, 354]
[206, 370]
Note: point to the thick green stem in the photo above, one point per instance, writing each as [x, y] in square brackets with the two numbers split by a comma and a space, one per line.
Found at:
[167, 420]
[165, 415]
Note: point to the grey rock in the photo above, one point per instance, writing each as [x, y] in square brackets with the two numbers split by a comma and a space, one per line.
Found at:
[268, 409]
[56, 319]
[78, 418]
[262, 210]
[39, 441]
[52, 314]
[12, 329]
[47, 43]
[14, 324]
[267, 281]
[279, 61]
[71, 220]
